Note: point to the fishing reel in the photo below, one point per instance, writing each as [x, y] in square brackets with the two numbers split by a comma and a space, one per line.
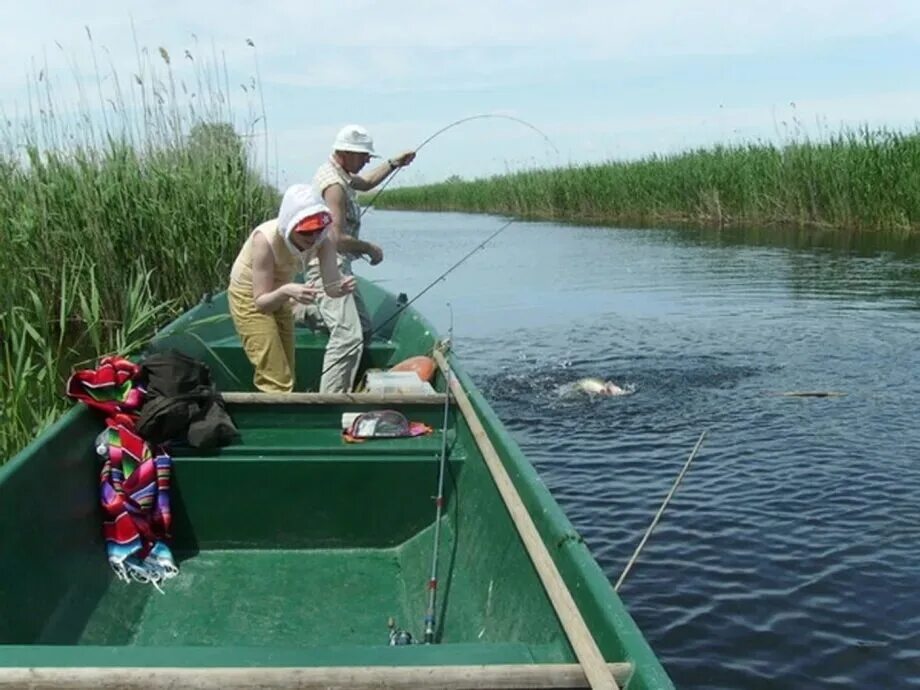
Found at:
[399, 637]
[443, 345]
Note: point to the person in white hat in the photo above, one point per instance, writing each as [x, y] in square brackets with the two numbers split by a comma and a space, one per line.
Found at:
[338, 181]
[262, 285]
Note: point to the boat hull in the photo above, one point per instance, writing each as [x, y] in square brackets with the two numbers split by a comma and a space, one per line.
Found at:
[294, 547]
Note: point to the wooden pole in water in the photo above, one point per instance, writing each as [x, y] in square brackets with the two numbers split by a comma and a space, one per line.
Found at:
[648, 532]
[586, 649]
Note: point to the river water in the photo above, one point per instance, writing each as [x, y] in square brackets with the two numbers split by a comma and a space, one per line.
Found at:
[790, 555]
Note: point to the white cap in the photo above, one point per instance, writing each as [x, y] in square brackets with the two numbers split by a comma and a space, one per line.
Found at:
[354, 138]
[298, 203]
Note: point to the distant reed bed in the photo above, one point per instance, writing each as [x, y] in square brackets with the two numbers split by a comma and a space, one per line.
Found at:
[859, 179]
[117, 214]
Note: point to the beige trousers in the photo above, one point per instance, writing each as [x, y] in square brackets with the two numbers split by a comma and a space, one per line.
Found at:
[268, 340]
[349, 325]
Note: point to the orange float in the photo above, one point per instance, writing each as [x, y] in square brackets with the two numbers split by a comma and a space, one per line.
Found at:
[423, 366]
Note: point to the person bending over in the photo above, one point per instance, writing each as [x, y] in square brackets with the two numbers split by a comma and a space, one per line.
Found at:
[262, 286]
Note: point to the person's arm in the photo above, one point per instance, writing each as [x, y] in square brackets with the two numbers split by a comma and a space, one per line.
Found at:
[371, 179]
[263, 270]
[335, 199]
[334, 283]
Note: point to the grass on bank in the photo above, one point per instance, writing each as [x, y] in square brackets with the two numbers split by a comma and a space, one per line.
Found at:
[859, 179]
[111, 226]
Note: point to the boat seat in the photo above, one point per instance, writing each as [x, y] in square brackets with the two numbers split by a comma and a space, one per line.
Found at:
[311, 343]
[288, 442]
[309, 349]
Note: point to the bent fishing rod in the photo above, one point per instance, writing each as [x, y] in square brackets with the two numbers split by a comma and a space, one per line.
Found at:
[456, 123]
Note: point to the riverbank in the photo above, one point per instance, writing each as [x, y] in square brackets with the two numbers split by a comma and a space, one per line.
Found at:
[101, 247]
[111, 226]
[857, 180]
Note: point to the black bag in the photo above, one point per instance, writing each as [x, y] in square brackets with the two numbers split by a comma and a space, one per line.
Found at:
[182, 403]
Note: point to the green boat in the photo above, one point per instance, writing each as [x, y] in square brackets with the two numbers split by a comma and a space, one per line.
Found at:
[297, 550]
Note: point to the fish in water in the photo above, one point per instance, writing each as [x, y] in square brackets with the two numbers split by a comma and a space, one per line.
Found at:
[594, 386]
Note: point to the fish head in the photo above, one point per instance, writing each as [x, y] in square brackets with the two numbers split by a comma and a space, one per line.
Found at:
[610, 388]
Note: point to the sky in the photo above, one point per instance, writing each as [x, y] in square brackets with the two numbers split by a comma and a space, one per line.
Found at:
[597, 81]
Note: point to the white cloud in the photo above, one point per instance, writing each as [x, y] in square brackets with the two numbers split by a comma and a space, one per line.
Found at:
[398, 40]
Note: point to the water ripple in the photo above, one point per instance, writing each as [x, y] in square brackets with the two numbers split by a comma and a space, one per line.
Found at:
[788, 557]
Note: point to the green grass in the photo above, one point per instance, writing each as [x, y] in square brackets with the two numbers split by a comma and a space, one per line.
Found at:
[115, 218]
[859, 179]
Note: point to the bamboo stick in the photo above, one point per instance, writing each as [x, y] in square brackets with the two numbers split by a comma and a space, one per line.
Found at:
[242, 398]
[502, 677]
[667, 499]
[589, 656]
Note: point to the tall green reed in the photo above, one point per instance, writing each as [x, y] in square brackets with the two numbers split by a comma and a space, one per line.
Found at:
[858, 179]
[121, 207]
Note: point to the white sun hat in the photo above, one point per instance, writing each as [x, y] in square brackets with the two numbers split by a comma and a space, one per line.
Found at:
[299, 203]
[354, 138]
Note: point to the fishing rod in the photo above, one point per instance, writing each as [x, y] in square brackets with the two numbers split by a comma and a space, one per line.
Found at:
[456, 123]
[399, 636]
[439, 502]
[401, 308]
[648, 532]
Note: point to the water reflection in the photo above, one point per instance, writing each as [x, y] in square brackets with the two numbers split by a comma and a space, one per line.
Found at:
[899, 245]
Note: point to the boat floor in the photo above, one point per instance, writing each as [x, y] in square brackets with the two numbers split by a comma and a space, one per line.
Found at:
[259, 598]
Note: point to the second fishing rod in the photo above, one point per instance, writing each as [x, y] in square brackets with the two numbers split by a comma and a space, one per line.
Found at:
[405, 305]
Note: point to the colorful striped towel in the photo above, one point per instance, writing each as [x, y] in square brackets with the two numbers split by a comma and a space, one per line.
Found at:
[134, 490]
[134, 480]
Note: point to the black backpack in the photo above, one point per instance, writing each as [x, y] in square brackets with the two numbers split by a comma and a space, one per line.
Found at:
[182, 403]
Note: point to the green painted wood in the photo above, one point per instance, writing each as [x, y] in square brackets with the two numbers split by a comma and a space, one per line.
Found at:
[290, 503]
[294, 546]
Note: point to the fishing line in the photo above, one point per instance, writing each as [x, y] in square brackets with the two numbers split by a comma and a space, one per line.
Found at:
[401, 308]
[451, 126]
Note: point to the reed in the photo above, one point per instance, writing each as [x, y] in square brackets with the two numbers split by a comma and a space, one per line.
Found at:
[120, 208]
[860, 179]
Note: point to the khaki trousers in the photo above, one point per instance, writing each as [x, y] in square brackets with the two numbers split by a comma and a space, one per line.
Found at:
[268, 340]
[348, 324]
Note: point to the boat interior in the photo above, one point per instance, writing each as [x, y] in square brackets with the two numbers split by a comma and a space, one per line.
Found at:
[292, 537]
[296, 547]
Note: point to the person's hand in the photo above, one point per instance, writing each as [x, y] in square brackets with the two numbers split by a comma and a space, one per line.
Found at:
[374, 254]
[403, 159]
[347, 285]
[303, 294]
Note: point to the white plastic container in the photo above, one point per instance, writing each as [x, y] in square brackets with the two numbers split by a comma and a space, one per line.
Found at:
[399, 382]
[348, 419]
